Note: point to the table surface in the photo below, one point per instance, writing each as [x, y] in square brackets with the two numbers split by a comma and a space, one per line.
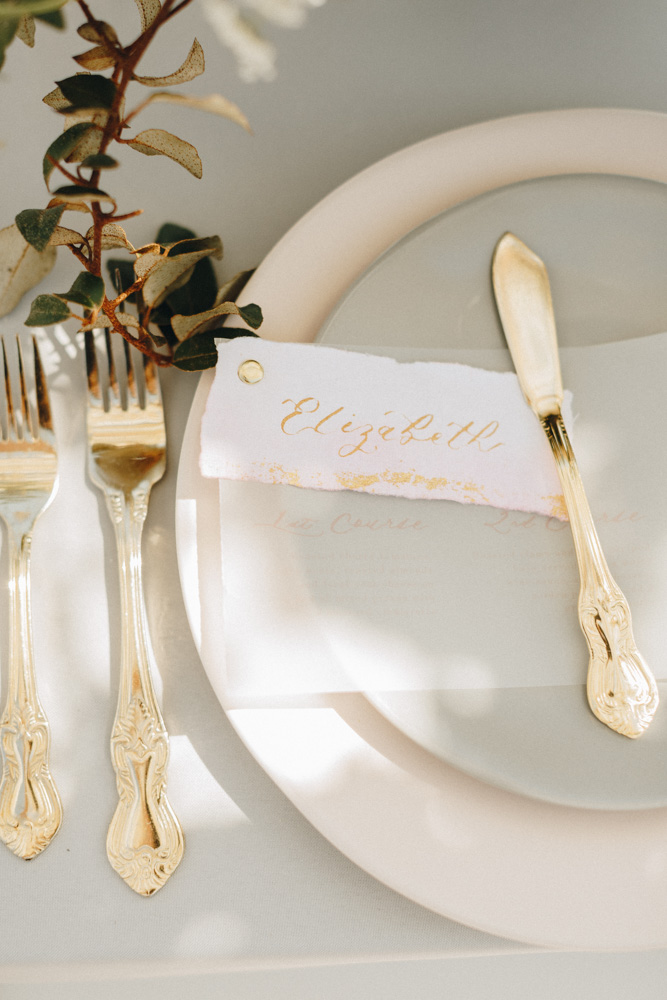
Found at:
[262, 905]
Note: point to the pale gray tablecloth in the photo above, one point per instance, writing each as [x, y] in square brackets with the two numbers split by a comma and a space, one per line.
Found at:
[263, 906]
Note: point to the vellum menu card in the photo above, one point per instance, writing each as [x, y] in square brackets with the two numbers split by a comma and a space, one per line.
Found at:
[335, 590]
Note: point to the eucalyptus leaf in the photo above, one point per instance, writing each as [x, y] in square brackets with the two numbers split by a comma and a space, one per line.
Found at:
[199, 291]
[113, 236]
[98, 57]
[195, 244]
[25, 30]
[100, 161]
[8, 28]
[158, 142]
[47, 309]
[63, 146]
[63, 237]
[98, 31]
[148, 11]
[196, 354]
[87, 90]
[87, 291]
[230, 290]
[36, 225]
[73, 193]
[164, 274]
[53, 17]
[185, 327]
[171, 232]
[21, 267]
[214, 104]
[193, 66]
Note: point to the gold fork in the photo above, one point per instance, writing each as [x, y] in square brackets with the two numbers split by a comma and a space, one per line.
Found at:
[126, 456]
[30, 808]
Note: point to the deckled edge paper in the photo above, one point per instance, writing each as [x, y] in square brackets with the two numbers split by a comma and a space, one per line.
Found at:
[331, 419]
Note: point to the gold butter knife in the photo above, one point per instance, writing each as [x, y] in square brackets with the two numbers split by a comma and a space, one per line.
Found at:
[621, 689]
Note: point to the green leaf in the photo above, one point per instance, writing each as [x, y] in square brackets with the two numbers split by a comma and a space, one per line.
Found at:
[7, 31]
[164, 273]
[63, 146]
[36, 225]
[198, 293]
[87, 90]
[99, 161]
[252, 315]
[47, 309]
[185, 327]
[87, 291]
[54, 18]
[196, 354]
[171, 232]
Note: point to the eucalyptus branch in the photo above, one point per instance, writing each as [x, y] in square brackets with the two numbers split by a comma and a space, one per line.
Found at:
[170, 282]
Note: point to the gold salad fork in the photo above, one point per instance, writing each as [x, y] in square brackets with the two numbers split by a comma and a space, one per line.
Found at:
[126, 456]
[30, 808]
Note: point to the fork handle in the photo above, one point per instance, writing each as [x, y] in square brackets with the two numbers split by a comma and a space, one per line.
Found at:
[145, 840]
[30, 807]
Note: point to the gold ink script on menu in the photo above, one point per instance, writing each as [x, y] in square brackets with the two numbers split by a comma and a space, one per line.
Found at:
[364, 438]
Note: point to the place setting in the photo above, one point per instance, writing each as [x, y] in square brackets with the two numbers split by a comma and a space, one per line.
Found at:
[427, 673]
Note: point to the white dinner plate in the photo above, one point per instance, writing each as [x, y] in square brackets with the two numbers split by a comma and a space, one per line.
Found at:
[504, 863]
[605, 240]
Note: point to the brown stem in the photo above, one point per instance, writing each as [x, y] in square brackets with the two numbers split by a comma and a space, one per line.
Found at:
[142, 343]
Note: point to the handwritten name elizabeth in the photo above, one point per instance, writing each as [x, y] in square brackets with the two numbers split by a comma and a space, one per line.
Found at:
[401, 429]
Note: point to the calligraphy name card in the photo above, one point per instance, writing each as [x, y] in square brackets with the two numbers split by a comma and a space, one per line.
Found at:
[331, 419]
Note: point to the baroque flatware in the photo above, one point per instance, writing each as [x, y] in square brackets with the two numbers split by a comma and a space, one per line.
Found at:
[30, 807]
[621, 689]
[126, 456]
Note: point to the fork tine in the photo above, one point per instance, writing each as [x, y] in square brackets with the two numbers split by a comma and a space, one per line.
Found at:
[44, 418]
[11, 416]
[114, 393]
[26, 415]
[131, 381]
[153, 394]
[92, 371]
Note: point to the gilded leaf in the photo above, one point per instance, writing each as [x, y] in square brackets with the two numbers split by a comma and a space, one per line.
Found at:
[97, 58]
[36, 225]
[47, 309]
[21, 267]
[192, 67]
[148, 11]
[91, 142]
[70, 206]
[157, 142]
[214, 104]
[113, 235]
[163, 274]
[25, 30]
[63, 145]
[185, 327]
[63, 237]
[56, 99]
[230, 291]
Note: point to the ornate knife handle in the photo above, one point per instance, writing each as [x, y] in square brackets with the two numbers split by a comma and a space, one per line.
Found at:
[145, 840]
[30, 807]
[621, 689]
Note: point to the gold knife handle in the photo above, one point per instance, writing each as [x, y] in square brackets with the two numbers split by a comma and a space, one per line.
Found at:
[30, 807]
[621, 689]
[145, 841]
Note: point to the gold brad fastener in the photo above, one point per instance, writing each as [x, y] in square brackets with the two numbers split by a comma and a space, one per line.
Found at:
[250, 372]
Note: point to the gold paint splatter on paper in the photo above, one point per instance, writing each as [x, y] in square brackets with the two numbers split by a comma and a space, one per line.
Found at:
[558, 508]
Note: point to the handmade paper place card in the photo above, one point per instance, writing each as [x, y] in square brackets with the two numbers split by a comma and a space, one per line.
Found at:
[330, 419]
